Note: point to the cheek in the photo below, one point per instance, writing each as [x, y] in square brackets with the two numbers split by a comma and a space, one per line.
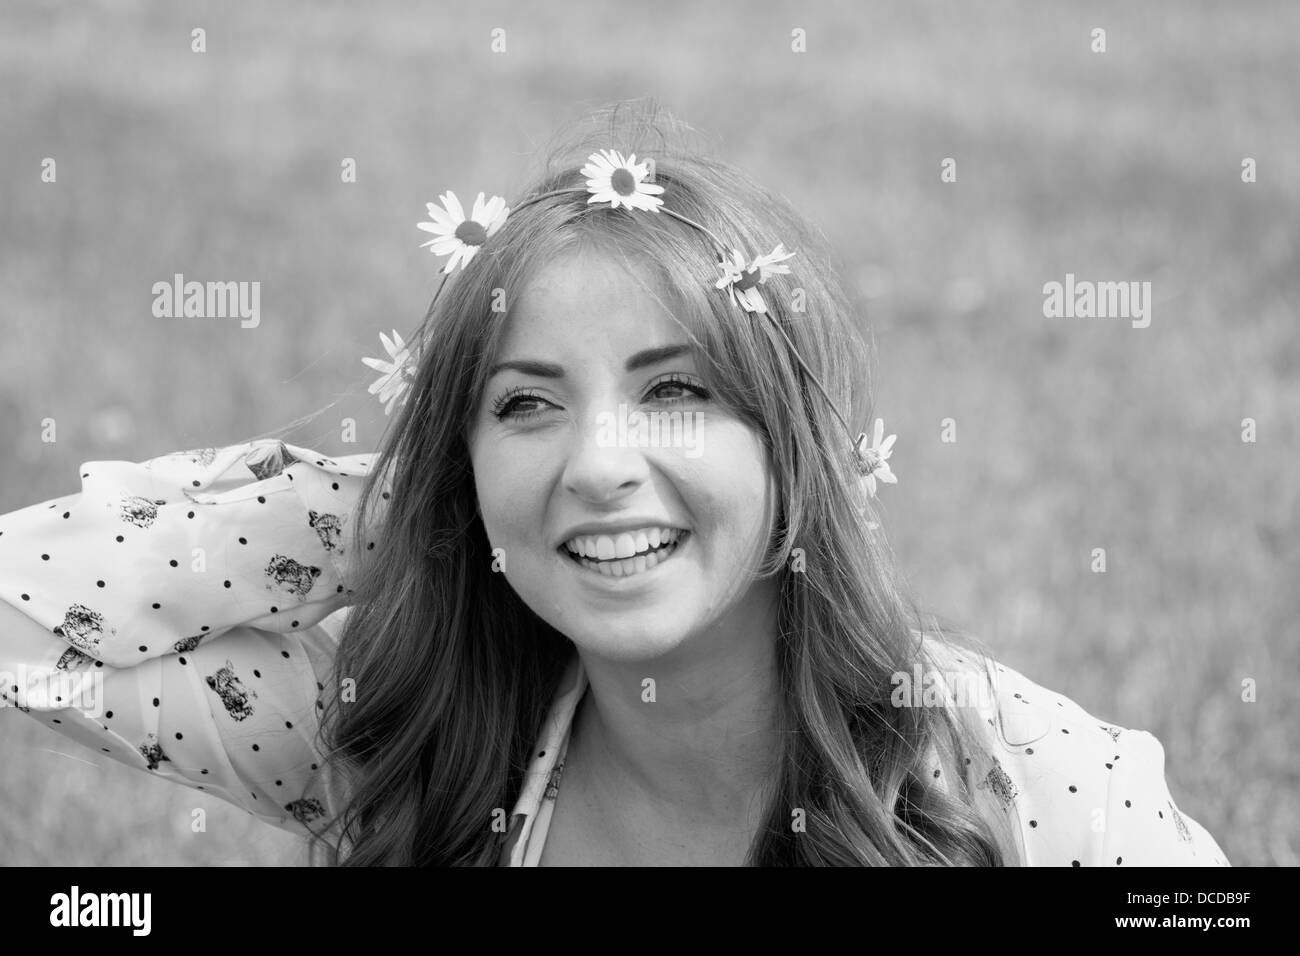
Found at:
[508, 495]
[733, 490]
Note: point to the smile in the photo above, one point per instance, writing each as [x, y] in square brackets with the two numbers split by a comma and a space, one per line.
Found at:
[626, 555]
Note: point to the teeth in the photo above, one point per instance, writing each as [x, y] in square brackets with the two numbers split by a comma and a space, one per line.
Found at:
[626, 567]
[626, 544]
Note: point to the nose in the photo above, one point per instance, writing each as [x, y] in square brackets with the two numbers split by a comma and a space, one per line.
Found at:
[602, 466]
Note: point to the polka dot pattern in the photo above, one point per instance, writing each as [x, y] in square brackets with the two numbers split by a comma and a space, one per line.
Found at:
[1050, 766]
[1080, 781]
[151, 620]
[161, 536]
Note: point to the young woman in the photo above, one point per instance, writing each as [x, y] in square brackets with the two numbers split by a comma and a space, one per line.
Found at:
[610, 590]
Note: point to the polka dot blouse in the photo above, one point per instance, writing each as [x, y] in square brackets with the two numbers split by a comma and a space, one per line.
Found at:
[190, 605]
[1077, 791]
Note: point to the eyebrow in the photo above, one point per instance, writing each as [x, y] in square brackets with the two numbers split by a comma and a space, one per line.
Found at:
[550, 370]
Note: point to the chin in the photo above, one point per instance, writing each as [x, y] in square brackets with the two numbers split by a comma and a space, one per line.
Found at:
[625, 635]
[628, 644]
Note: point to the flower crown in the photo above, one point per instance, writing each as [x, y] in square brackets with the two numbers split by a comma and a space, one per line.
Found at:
[617, 181]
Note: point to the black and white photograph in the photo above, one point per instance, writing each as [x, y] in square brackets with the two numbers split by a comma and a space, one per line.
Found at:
[592, 434]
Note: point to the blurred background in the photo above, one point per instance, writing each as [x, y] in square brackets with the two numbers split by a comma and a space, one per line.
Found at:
[1072, 434]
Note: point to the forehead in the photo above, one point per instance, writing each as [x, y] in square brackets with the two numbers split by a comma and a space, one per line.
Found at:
[589, 298]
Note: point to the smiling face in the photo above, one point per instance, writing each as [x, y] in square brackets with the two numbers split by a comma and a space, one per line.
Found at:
[588, 348]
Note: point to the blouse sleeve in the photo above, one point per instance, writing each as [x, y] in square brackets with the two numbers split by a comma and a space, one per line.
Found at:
[1144, 827]
[1084, 791]
[188, 610]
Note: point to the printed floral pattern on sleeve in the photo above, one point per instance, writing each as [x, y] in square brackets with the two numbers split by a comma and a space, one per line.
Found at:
[176, 549]
[192, 604]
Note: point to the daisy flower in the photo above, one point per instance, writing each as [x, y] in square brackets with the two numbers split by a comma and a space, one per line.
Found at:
[872, 464]
[457, 236]
[618, 181]
[742, 282]
[397, 373]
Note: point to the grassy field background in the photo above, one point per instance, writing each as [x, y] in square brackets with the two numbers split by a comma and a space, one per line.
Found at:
[1072, 434]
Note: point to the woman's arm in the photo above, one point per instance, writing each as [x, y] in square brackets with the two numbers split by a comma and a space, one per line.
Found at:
[180, 614]
[1088, 792]
[175, 550]
[236, 716]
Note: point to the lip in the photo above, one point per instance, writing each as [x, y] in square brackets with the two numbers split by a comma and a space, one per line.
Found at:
[597, 579]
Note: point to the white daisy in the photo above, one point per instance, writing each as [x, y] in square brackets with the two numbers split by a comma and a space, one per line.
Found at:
[398, 373]
[742, 282]
[618, 181]
[872, 463]
[458, 236]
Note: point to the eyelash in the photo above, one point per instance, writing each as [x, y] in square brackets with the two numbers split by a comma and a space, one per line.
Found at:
[502, 407]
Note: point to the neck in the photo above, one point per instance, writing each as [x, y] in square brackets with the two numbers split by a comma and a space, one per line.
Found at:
[699, 744]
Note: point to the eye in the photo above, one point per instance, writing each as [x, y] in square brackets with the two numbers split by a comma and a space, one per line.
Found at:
[676, 381]
[520, 404]
[505, 406]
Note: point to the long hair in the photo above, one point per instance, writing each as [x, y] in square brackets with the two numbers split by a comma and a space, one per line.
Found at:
[454, 673]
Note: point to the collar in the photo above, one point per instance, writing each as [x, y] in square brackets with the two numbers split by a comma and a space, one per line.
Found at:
[545, 755]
